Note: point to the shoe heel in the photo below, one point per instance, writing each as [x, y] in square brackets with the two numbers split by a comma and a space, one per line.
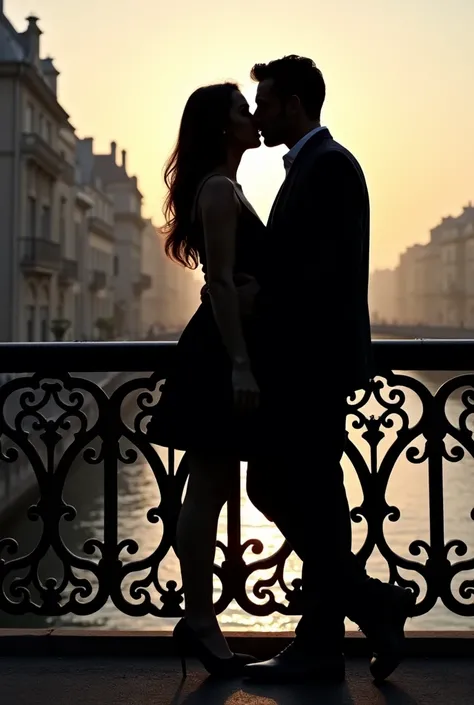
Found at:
[181, 655]
[183, 666]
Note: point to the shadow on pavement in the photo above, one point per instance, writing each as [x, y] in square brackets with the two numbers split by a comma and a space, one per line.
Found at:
[224, 692]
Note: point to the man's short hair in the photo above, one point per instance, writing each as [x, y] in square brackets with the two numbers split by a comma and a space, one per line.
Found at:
[295, 75]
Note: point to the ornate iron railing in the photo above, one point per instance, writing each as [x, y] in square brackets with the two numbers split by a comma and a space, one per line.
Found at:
[50, 420]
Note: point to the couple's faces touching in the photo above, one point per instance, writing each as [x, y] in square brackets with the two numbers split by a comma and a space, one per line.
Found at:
[242, 130]
[270, 119]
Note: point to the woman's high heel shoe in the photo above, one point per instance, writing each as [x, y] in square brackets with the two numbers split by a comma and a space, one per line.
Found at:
[189, 644]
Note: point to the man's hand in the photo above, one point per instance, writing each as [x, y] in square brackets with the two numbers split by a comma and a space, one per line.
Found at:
[247, 289]
[204, 292]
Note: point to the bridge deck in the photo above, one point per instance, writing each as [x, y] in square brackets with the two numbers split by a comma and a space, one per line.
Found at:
[133, 681]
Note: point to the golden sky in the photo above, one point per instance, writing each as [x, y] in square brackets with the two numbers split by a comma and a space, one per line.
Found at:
[399, 75]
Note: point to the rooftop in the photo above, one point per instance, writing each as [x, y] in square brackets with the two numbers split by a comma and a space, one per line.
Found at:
[109, 171]
[24, 47]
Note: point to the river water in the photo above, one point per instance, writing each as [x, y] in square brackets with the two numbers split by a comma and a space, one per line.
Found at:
[408, 490]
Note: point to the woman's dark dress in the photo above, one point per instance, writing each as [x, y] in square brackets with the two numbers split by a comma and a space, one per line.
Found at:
[195, 410]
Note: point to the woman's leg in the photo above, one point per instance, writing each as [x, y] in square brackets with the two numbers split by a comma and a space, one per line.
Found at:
[210, 482]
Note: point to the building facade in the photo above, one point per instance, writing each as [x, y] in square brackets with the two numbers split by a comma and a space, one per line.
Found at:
[431, 304]
[174, 294]
[99, 265]
[383, 296]
[36, 176]
[83, 205]
[436, 280]
[129, 282]
[64, 323]
[78, 259]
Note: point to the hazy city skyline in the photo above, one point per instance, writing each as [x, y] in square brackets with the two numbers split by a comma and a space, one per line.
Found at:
[398, 90]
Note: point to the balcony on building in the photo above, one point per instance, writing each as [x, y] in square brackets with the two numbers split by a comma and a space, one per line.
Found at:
[68, 272]
[39, 255]
[143, 284]
[83, 200]
[131, 217]
[98, 281]
[101, 227]
[68, 172]
[34, 148]
[103, 567]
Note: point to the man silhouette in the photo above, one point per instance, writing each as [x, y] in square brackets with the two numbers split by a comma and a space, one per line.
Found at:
[317, 278]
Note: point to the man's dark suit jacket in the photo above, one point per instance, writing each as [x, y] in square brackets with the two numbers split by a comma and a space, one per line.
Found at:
[313, 308]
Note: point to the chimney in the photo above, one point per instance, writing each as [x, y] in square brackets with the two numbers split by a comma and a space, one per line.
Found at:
[51, 73]
[113, 150]
[87, 144]
[32, 35]
[124, 160]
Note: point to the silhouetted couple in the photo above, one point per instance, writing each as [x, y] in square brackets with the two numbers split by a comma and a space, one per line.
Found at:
[243, 388]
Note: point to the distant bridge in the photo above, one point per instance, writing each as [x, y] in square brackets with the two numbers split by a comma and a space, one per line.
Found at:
[406, 331]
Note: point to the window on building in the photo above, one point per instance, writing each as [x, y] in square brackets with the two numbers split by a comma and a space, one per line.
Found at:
[29, 118]
[49, 132]
[31, 217]
[78, 327]
[30, 323]
[116, 266]
[41, 125]
[77, 240]
[62, 223]
[46, 222]
[44, 323]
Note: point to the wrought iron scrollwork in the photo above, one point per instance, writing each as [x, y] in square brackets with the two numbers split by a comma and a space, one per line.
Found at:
[89, 425]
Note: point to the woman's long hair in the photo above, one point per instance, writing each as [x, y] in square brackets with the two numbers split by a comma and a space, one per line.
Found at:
[200, 148]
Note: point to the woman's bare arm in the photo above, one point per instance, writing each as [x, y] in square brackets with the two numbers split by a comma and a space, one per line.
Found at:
[219, 208]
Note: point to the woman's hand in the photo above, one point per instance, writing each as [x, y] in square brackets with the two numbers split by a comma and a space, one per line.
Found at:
[246, 389]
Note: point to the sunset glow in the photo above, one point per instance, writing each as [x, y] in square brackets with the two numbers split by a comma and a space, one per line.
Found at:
[399, 76]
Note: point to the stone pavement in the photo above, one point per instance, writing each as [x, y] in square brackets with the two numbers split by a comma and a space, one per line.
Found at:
[146, 681]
